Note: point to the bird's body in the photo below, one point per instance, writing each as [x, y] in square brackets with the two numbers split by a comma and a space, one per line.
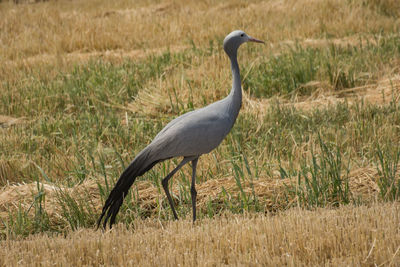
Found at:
[189, 136]
[207, 126]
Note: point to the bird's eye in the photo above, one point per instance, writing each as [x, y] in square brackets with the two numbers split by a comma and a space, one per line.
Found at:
[242, 34]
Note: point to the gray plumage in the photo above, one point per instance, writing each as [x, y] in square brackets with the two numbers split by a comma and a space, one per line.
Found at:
[189, 136]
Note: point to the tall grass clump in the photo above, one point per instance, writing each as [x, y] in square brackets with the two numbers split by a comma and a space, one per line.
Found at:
[387, 161]
[324, 180]
[76, 211]
[24, 221]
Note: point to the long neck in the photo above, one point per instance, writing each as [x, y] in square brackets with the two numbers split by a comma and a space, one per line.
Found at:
[236, 92]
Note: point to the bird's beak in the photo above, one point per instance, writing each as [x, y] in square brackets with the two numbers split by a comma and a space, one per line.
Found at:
[251, 39]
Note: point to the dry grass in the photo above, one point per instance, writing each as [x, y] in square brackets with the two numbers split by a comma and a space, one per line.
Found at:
[361, 236]
[7, 121]
[91, 26]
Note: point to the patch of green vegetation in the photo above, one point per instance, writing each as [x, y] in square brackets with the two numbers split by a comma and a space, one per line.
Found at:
[75, 113]
[83, 89]
[285, 129]
[339, 66]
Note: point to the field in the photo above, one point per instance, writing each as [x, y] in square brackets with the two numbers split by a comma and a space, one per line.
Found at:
[308, 175]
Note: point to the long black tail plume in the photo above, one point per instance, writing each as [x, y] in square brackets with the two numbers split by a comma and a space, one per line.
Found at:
[138, 167]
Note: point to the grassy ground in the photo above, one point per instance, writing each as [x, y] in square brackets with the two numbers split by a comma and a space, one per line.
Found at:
[86, 85]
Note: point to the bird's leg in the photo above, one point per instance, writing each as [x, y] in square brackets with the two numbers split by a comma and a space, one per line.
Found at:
[193, 191]
[165, 183]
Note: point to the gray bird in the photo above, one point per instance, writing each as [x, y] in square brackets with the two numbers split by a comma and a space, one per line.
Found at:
[189, 136]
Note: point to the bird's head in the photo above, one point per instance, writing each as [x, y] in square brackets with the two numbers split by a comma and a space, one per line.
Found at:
[233, 40]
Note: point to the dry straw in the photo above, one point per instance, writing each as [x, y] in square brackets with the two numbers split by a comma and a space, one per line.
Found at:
[361, 236]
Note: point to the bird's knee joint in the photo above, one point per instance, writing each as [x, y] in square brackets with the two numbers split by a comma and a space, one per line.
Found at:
[193, 191]
[164, 183]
